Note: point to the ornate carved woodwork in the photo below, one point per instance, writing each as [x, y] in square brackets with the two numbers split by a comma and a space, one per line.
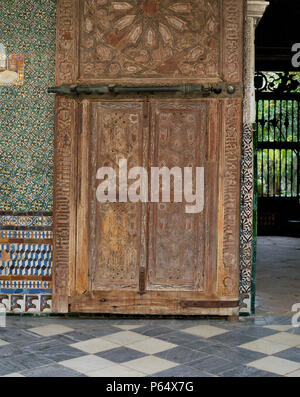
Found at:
[147, 257]
[177, 242]
[117, 230]
[152, 38]
[64, 200]
[101, 41]
[229, 201]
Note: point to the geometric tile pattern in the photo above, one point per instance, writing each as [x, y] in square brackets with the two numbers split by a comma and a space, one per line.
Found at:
[25, 259]
[89, 347]
[26, 302]
[25, 220]
[246, 220]
[25, 272]
[26, 157]
[23, 235]
[15, 284]
[27, 111]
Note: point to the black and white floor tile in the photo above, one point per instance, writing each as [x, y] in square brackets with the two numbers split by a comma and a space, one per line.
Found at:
[78, 347]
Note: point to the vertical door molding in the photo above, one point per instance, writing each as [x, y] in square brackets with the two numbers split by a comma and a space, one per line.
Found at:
[66, 42]
[232, 22]
[64, 209]
[65, 157]
[80, 275]
[229, 199]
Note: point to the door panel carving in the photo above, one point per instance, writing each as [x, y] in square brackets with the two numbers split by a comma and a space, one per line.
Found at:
[177, 238]
[116, 228]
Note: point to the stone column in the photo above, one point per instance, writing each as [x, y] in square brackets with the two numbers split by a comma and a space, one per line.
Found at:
[255, 10]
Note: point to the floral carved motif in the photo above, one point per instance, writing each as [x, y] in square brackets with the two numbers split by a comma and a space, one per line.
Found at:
[247, 209]
[149, 38]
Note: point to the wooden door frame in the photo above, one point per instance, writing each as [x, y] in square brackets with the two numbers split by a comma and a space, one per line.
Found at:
[65, 158]
[68, 126]
[82, 296]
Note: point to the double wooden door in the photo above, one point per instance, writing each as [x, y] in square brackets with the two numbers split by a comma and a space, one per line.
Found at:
[147, 257]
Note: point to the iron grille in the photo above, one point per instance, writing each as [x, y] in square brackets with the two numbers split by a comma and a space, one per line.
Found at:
[278, 134]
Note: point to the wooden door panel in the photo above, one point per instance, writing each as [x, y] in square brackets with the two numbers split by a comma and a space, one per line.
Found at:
[116, 229]
[177, 242]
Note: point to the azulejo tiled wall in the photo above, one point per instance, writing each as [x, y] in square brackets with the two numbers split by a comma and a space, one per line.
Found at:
[26, 157]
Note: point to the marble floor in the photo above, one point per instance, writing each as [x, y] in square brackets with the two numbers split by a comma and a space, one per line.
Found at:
[264, 345]
[78, 347]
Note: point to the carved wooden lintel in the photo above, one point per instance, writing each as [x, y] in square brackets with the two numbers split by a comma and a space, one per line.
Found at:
[118, 43]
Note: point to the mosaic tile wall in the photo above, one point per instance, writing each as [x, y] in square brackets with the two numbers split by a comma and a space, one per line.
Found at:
[26, 157]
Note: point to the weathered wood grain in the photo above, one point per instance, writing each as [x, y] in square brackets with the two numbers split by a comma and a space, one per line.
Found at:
[122, 42]
[64, 206]
[147, 258]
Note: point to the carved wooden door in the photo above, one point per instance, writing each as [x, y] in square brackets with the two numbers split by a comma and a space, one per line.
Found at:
[147, 257]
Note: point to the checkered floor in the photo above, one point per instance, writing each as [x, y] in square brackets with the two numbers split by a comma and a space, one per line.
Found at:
[74, 347]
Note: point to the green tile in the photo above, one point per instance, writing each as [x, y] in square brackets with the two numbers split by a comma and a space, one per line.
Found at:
[27, 112]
